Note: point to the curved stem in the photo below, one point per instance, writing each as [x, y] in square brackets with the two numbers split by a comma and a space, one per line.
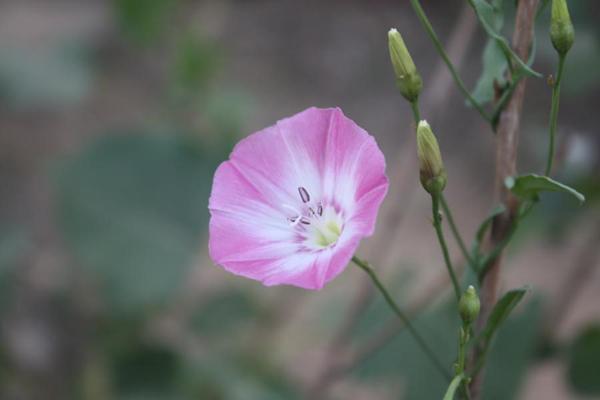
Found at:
[456, 233]
[365, 266]
[554, 113]
[437, 224]
[440, 49]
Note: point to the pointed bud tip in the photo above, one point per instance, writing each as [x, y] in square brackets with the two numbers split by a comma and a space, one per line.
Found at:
[431, 166]
[407, 77]
[469, 305]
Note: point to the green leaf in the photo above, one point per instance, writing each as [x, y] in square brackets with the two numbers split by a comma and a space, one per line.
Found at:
[494, 59]
[485, 14]
[584, 361]
[494, 68]
[483, 228]
[500, 312]
[133, 209]
[452, 387]
[529, 187]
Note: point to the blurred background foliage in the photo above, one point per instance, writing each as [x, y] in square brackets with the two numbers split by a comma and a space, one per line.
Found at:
[113, 118]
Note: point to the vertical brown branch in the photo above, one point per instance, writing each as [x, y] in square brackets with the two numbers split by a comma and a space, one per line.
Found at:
[507, 139]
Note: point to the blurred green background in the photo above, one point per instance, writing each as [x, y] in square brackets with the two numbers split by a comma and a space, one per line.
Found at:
[113, 118]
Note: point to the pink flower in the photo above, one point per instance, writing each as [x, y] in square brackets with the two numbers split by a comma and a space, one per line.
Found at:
[293, 201]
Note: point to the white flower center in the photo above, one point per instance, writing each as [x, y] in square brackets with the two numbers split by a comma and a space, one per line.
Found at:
[318, 226]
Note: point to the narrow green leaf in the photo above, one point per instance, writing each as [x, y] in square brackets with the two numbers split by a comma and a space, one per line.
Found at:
[452, 387]
[485, 14]
[494, 68]
[487, 222]
[529, 187]
[501, 311]
[481, 231]
[494, 59]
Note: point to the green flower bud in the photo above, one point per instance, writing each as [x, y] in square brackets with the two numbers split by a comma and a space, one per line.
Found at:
[468, 306]
[431, 166]
[562, 32]
[407, 78]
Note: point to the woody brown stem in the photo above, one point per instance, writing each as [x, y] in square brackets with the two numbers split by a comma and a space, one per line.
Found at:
[507, 139]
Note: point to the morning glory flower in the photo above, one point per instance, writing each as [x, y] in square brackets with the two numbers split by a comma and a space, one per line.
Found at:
[293, 201]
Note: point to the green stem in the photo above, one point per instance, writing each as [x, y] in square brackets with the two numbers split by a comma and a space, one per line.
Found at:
[414, 105]
[554, 113]
[456, 233]
[453, 387]
[437, 224]
[463, 340]
[365, 266]
[440, 49]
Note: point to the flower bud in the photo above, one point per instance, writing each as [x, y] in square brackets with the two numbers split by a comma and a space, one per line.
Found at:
[562, 32]
[468, 306]
[407, 78]
[431, 166]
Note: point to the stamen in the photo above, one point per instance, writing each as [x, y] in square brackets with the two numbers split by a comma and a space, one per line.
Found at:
[304, 221]
[320, 210]
[304, 194]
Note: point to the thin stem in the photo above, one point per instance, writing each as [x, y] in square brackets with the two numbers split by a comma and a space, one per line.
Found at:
[365, 266]
[554, 113]
[451, 391]
[463, 339]
[440, 49]
[437, 224]
[456, 233]
[414, 105]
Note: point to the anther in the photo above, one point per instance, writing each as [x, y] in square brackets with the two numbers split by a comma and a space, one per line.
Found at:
[320, 210]
[304, 194]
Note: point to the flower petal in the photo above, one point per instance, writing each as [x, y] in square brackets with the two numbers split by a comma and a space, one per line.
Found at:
[257, 191]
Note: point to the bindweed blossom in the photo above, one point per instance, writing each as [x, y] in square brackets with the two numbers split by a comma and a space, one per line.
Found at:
[293, 201]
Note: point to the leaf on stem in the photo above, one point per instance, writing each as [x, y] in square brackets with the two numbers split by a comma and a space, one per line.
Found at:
[528, 187]
[494, 60]
[485, 14]
[500, 313]
[481, 231]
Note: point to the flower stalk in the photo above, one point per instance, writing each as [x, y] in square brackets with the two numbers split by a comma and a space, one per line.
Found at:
[562, 35]
[440, 49]
[365, 266]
